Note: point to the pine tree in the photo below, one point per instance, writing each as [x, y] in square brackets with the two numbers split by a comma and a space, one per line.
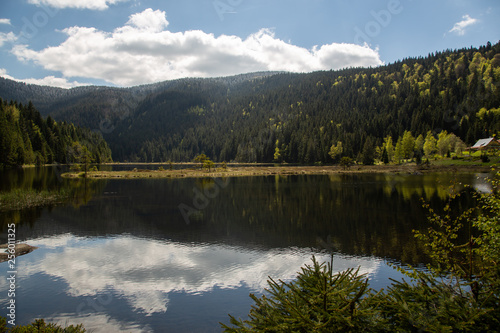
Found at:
[398, 151]
[389, 147]
[319, 300]
[385, 156]
[367, 155]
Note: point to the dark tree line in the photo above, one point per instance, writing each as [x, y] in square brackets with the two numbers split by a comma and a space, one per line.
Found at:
[27, 138]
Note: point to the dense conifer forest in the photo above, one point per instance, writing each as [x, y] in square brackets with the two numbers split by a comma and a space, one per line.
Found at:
[27, 138]
[319, 117]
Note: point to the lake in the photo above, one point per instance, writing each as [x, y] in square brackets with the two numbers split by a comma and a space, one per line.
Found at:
[180, 255]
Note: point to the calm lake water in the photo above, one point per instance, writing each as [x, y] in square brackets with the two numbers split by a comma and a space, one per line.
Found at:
[180, 255]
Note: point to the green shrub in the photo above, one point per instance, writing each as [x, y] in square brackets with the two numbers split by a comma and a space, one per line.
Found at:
[346, 162]
[75, 168]
[39, 325]
[431, 304]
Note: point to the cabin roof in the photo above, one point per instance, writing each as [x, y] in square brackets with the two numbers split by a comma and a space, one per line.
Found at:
[486, 143]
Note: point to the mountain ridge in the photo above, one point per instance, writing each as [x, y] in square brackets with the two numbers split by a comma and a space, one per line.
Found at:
[35, 92]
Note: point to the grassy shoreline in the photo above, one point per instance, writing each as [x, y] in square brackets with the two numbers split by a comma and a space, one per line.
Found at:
[246, 171]
[28, 198]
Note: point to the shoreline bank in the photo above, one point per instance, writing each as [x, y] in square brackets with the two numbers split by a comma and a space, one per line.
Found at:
[248, 171]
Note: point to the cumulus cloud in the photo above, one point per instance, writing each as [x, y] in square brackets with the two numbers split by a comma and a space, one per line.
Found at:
[460, 27]
[145, 51]
[148, 20]
[5, 21]
[7, 37]
[51, 81]
[54, 82]
[78, 4]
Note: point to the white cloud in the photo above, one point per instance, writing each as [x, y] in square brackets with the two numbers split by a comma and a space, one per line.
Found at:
[148, 20]
[5, 21]
[459, 27]
[3, 73]
[55, 82]
[7, 37]
[144, 51]
[46, 81]
[78, 4]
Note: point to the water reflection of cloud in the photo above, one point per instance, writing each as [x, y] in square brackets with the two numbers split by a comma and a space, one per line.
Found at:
[54, 241]
[100, 322]
[144, 271]
[481, 183]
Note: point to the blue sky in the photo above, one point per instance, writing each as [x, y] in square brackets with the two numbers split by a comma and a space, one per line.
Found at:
[130, 42]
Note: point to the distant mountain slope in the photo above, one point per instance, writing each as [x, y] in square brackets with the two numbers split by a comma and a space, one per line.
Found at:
[47, 97]
[284, 116]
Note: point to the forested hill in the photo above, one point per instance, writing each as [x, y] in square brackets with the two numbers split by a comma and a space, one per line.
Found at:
[27, 138]
[59, 101]
[292, 117]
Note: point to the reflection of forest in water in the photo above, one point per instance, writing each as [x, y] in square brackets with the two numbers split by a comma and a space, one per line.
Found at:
[363, 214]
[78, 191]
